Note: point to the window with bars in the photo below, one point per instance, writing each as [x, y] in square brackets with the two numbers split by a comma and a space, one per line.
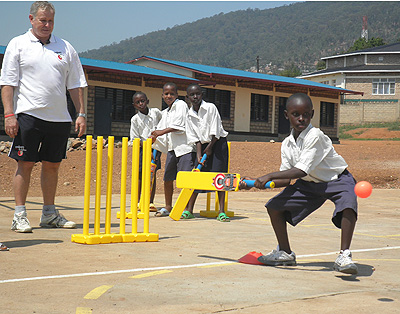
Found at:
[121, 102]
[221, 98]
[383, 86]
[259, 107]
[327, 117]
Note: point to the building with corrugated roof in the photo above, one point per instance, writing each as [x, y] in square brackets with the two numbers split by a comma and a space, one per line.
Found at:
[251, 104]
[375, 72]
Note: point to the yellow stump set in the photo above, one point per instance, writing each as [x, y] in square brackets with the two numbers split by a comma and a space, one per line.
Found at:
[214, 213]
[98, 237]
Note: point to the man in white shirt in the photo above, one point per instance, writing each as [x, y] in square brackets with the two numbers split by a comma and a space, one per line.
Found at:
[309, 156]
[38, 69]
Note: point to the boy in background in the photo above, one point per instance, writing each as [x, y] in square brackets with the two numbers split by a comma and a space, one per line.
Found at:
[142, 124]
[206, 131]
[309, 156]
[172, 127]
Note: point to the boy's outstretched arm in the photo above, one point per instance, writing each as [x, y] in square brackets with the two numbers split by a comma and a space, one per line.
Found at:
[158, 133]
[280, 178]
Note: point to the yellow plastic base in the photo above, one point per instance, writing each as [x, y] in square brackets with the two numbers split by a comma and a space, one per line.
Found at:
[114, 238]
[128, 215]
[214, 213]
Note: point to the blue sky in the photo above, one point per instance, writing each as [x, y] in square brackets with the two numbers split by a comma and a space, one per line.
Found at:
[92, 24]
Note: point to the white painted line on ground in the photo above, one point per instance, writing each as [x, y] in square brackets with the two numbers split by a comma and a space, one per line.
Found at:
[111, 272]
[353, 251]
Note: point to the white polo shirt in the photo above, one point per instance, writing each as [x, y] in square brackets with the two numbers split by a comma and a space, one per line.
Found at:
[205, 123]
[142, 125]
[313, 153]
[175, 117]
[41, 75]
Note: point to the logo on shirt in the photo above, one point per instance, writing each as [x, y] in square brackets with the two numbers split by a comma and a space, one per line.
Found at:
[59, 55]
[20, 149]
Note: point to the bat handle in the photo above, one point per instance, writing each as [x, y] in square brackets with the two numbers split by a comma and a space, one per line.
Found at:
[201, 162]
[268, 185]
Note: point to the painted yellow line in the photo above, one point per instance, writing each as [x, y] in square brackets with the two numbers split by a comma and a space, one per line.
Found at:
[83, 310]
[377, 236]
[218, 265]
[153, 273]
[97, 292]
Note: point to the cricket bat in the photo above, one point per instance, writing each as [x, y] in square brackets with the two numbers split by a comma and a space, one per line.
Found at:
[153, 167]
[185, 194]
[214, 181]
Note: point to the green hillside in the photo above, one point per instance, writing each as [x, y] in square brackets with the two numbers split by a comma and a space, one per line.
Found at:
[300, 33]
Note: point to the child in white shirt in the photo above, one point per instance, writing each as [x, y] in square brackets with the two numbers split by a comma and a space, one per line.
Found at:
[206, 131]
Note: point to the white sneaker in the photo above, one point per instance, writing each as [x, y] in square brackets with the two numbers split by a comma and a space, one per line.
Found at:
[20, 223]
[56, 220]
[278, 258]
[344, 263]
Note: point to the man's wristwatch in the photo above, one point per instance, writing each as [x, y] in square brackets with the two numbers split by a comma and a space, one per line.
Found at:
[82, 115]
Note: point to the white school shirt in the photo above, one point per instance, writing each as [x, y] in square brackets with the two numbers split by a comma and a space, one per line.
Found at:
[205, 123]
[175, 117]
[313, 153]
[41, 74]
[142, 125]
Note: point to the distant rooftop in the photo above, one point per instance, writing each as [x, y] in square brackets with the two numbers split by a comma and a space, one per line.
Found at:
[357, 69]
[213, 71]
[390, 48]
[130, 68]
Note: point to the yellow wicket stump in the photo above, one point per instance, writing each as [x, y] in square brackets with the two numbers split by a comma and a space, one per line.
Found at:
[98, 237]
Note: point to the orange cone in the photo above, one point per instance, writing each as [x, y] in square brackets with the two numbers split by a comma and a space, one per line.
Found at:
[251, 258]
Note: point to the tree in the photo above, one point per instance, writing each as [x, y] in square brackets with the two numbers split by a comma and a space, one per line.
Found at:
[321, 65]
[362, 43]
[291, 70]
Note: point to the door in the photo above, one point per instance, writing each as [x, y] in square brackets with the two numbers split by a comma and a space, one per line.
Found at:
[283, 123]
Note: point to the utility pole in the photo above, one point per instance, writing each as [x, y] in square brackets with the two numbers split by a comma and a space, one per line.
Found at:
[258, 64]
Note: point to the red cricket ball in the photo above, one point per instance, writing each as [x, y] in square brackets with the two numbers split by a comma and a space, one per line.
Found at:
[363, 189]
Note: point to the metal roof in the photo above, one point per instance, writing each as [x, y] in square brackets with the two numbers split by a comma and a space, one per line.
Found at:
[245, 75]
[357, 69]
[385, 49]
[130, 68]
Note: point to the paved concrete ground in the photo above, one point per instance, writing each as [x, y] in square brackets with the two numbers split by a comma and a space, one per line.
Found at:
[193, 268]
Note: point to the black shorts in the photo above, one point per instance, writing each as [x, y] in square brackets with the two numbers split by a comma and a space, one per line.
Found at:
[39, 140]
[218, 161]
[174, 164]
[299, 200]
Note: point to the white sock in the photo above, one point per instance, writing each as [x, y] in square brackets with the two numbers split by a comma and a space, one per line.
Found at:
[49, 209]
[19, 209]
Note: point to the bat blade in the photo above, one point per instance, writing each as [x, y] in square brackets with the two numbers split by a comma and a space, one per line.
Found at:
[210, 181]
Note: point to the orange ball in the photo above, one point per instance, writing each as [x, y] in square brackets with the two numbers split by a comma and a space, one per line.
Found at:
[363, 189]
